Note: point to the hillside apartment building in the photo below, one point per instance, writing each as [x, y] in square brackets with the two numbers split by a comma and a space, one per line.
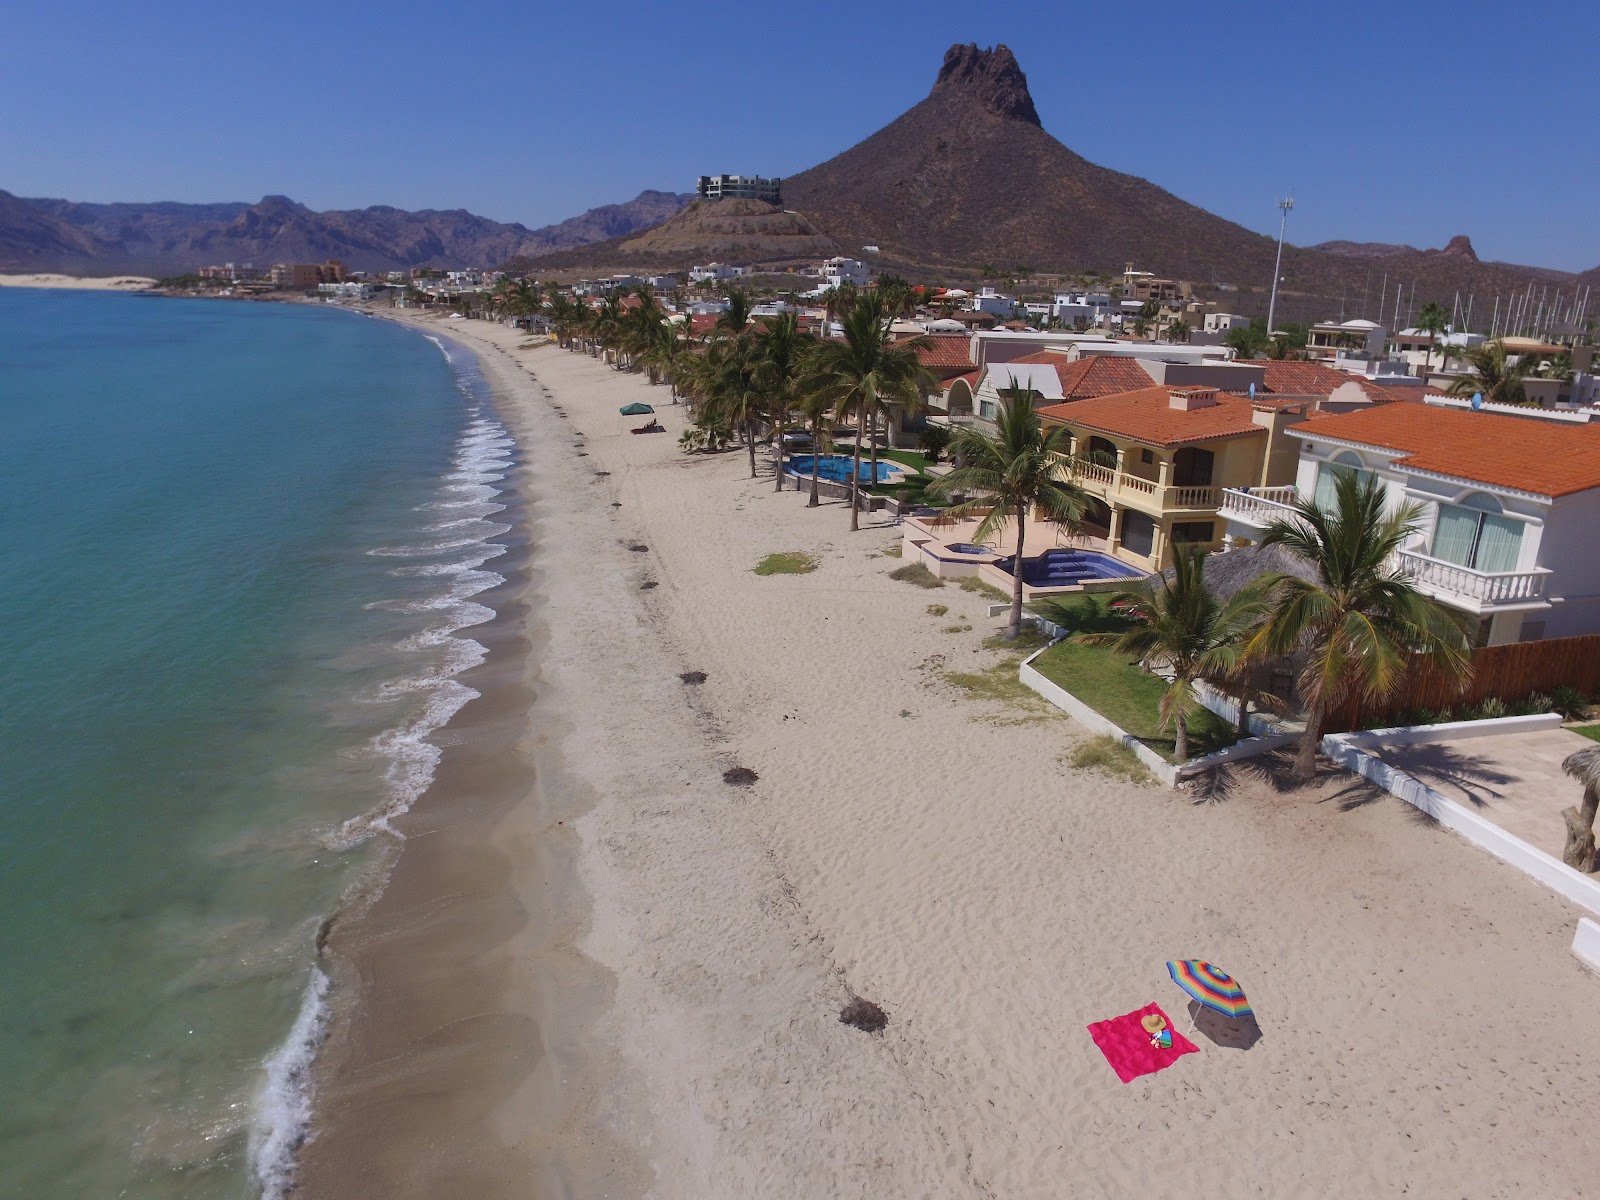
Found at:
[739, 187]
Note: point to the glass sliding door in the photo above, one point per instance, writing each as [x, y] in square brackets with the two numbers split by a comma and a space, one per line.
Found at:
[1477, 535]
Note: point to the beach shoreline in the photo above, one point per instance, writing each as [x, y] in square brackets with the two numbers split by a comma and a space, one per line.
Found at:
[78, 283]
[668, 1005]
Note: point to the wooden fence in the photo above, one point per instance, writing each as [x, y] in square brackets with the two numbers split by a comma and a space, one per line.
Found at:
[1511, 673]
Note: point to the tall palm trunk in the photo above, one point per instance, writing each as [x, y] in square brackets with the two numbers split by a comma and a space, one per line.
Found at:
[1246, 692]
[816, 462]
[1180, 747]
[1014, 630]
[1305, 759]
[874, 444]
[855, 474]
[777, 467]
[750, 441]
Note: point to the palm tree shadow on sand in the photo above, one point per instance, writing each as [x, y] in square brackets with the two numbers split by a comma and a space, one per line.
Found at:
[1231, 1033]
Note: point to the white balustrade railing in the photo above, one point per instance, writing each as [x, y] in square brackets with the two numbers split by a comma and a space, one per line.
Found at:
[1258, 506]
[1486, 587]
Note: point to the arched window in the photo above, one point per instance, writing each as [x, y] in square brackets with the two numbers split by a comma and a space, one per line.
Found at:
[1475, 533]
[1329, 474]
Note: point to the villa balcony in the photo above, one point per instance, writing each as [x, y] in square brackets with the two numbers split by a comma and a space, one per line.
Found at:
[1257, 507]
[1475, 591]
[1119, 487]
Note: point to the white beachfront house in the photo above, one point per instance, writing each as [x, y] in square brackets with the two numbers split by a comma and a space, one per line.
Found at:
[1509, 505]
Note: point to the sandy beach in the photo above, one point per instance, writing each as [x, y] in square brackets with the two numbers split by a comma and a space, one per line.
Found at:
[106, 283]
[600, 970]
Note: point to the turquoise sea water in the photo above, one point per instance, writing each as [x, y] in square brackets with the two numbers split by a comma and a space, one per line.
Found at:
[238, 549]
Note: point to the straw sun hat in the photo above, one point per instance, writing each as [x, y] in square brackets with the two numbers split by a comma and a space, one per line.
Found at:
[1153, 1022]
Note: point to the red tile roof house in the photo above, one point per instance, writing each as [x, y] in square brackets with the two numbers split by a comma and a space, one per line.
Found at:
[1509, 508]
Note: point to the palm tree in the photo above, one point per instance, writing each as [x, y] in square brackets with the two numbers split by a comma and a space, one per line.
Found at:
[736, 316]
[864, 370]
[732, 379]
[665, 357]
[1433, 321]
[1178, 330]
[836, 302]
[1494, 374]
[1584, 766]
[1360, 622]
[816, 410]
[1021, 466]
[1182, 626]
[781, 349]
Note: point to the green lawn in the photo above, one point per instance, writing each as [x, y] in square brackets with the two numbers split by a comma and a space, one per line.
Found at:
[1592, 732]
[906, 458]
[1115, 687]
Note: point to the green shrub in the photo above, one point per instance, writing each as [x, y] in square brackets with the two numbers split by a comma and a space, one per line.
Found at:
[1490, 709]
[918, 574]
[934, 440]
[938, 610]
[983, 588]
[788, 562]
[1529, 706]
[1569, 702]
[1110, 757]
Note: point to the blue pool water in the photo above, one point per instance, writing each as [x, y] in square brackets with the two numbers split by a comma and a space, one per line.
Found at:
[1062, 568]
[969, 548]
[836, 467]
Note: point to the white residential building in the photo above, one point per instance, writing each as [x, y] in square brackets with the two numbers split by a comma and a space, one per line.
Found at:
[1221, 322]
[836, 272]
[1327, 338]
[992, 302]
[716, 271]
[1508, 507]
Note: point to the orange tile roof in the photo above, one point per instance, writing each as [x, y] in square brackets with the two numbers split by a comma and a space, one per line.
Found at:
[1524, 454]
[1091, 376]
[946, 353]
[1302, 378]
[1147, 416]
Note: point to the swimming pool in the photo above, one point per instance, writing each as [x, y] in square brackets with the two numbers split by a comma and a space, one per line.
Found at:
[836, 467]
[969, 548]
[1063, 568]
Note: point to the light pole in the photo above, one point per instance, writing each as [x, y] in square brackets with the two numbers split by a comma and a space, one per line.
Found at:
[1277, 268]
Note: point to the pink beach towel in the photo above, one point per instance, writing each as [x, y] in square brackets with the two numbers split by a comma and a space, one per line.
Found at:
[1127, 1046]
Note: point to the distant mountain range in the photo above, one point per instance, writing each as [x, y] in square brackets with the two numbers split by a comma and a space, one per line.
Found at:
[965, 180]
[170, 239]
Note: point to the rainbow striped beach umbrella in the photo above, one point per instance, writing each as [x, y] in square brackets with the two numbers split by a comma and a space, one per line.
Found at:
[1210, 986]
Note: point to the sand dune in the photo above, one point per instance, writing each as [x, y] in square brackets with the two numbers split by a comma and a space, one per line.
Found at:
[1424, 1025]
[109, 283]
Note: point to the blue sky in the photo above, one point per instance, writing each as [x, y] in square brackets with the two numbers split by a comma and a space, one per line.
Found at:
[1394, 122]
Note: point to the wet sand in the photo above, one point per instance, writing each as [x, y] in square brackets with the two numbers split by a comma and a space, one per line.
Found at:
[600, 970]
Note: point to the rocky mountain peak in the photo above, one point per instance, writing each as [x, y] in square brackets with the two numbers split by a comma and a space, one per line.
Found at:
[991, 78]
[1460, 246]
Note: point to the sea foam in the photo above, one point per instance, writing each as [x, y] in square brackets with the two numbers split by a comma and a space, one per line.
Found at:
[283, 1105]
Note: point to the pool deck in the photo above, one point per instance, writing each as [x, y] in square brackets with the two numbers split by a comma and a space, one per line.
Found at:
[1514, 779]
[928, 540]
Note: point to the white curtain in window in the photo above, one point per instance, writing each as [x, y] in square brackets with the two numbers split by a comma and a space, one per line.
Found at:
[1455, 534]
[1499, 544]
[1327, 483]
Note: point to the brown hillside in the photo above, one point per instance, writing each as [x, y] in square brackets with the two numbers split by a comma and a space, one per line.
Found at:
[733, 231]
[968, 176]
